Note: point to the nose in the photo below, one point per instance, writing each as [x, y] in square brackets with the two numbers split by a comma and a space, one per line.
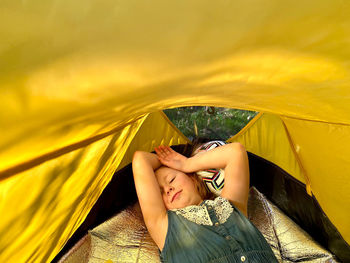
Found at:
[169, 189]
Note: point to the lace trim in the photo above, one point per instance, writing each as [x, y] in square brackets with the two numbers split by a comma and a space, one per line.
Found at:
[199, 214]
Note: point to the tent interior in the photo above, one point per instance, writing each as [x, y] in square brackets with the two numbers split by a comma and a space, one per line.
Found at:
[288, 193]
[83, 85]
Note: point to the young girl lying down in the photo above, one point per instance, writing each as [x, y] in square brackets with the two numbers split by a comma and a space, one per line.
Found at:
[185, 225]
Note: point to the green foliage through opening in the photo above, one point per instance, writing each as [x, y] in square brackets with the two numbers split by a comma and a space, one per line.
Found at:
[209, 122]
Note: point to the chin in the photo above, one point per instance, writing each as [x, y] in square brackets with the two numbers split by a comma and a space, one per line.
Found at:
[176, 206]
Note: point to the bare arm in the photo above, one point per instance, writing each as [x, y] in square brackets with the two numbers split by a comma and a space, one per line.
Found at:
[230, 157]
[148, 192]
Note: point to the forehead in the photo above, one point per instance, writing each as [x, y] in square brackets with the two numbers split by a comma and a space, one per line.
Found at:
[163, 172]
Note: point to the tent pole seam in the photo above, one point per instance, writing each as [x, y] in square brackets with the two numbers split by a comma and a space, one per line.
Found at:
[292, 145]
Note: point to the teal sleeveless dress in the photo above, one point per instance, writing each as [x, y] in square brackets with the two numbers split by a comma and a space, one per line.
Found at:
[213, 232]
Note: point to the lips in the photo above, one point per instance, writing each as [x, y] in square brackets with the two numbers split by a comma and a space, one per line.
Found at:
[176, 195]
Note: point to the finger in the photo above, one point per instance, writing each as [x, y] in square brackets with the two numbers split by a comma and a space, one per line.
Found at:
[171, 150]
[168, 150]
[161, 160]
[163, 150]
[157, 150]
[160, 152]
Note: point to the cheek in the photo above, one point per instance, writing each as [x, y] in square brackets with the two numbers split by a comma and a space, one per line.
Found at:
[165, 201]
[183, 180]
[192, 183]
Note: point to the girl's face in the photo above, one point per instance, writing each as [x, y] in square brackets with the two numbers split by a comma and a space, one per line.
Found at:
[178, 190]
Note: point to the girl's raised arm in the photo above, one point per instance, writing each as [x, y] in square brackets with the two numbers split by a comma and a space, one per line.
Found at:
[149, 195]
[231, 157]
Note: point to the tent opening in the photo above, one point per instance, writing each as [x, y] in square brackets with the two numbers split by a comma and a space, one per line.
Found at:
[214, 123]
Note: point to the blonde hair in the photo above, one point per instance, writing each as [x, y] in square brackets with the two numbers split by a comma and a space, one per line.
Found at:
[203, 190]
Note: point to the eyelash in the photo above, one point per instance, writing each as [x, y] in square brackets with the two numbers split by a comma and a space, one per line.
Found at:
[161, 189]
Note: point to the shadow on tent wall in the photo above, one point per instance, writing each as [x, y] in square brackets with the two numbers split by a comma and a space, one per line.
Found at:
[278, 186]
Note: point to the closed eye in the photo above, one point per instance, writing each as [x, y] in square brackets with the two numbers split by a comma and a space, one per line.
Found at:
[172, 180]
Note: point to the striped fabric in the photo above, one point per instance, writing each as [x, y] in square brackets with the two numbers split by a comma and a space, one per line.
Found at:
[213, 178]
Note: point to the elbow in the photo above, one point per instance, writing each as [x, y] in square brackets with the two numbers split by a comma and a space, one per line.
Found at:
[238, 152]
[137, 162]
[238, 147]
[138, 157]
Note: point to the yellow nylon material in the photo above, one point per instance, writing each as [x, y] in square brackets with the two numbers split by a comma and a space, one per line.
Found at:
[74, 72]
[266, 137]
[47, 132]
[324, 150]
[42, 207]
[67, 58]
[156, 130]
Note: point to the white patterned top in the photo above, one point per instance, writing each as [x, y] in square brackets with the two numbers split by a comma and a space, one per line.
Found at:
[199, 213]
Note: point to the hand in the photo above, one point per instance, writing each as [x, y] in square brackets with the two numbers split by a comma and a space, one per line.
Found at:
[170, 158]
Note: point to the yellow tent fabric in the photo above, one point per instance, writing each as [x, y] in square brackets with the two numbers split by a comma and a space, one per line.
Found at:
[43, 206]
[266, 136]
[315, 153]
[79, 79]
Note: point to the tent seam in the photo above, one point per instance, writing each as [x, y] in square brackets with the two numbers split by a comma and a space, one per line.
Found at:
[318, 121]
[134, 135]
[292, 145]
[245, 128]
[26, 165]
[173, 125]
